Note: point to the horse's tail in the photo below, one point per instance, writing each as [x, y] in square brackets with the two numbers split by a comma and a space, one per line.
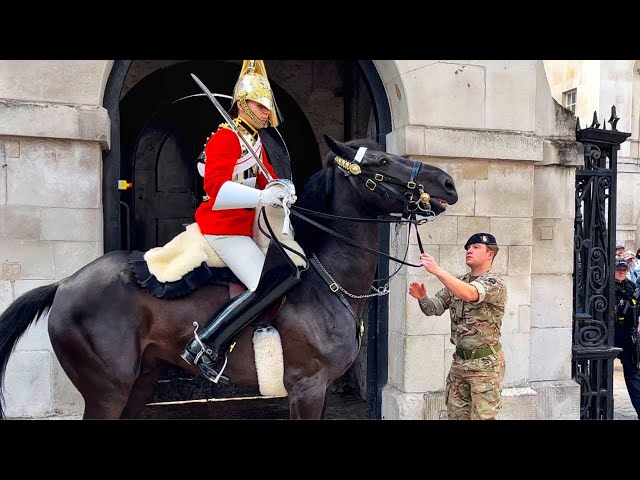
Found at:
[16, 319]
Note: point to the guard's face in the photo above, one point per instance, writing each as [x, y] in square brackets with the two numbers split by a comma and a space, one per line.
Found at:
[259, 110]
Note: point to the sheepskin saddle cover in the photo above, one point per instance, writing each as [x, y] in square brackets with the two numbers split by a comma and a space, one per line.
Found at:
[188, 261]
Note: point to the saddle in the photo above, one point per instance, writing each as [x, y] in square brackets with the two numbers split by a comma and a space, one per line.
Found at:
[188, 261]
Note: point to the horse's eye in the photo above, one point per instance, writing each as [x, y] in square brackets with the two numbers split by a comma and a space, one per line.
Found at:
[383, 162]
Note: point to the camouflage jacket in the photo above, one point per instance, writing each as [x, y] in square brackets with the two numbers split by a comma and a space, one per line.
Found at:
[473, 324]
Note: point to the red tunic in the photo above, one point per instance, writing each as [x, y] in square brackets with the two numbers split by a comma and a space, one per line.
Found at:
[222, 152]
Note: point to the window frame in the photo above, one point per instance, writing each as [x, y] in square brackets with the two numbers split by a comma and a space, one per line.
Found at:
[570, 95]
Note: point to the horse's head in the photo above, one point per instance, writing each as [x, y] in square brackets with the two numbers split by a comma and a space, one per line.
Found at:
[390, 183]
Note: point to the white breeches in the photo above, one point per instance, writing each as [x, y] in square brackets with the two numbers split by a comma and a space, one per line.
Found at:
[241, 254]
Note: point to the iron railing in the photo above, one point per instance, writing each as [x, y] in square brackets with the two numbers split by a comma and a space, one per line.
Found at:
[594, 255]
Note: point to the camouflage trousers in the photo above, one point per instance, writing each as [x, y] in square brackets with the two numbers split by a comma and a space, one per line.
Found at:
[474, 387]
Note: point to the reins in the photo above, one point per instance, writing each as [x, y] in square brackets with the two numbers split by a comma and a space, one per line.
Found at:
[375, 182]
[294, 211]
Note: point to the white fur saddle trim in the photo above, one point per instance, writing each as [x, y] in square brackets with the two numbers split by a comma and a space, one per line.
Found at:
[269, 362]
[187, 250]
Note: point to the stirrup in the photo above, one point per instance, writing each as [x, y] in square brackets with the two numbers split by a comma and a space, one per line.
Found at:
[212, 374]
[203, 347]
[188, 355]
[207, 369]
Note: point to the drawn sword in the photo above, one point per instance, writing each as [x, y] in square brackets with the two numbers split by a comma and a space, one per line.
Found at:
[233, 126]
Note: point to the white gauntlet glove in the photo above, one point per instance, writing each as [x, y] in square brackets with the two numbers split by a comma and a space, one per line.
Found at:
[280, 193]
[274, 194]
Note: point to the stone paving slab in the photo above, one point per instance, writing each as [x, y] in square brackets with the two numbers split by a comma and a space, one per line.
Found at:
[622, 408]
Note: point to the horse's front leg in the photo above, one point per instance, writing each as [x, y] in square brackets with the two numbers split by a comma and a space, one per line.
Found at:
[307, 398]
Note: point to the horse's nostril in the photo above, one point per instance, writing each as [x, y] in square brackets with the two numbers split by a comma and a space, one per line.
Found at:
[448, 184]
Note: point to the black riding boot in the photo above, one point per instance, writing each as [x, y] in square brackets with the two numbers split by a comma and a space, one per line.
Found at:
[205, 347]
[198, 352]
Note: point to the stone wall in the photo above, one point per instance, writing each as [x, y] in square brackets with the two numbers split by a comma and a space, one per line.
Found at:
[52, 133]
[509, 148]
[50, 226]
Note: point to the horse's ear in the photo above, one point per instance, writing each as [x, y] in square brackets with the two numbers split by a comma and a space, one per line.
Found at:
[340, 149]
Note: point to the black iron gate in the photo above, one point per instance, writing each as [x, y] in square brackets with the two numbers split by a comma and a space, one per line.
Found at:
[593, 279]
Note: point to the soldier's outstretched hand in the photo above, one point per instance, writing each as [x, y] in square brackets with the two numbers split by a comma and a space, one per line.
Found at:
[417, 290]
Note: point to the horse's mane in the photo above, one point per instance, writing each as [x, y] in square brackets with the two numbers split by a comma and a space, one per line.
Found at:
[317, 195]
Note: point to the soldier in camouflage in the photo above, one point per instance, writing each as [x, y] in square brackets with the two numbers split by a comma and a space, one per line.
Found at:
[476, 303]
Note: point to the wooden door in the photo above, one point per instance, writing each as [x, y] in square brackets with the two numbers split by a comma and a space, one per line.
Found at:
[164, 183]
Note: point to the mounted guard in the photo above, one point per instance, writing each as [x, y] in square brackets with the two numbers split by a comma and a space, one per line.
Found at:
[239, 178]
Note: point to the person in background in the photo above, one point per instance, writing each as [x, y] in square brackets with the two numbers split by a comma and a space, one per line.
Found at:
[625, 323]
[635, 264]
[632, 273]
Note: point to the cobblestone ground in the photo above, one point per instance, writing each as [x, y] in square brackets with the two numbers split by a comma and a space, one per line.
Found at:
[622, 408]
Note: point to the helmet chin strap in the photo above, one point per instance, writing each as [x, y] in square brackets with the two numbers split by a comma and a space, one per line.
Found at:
[255, 121]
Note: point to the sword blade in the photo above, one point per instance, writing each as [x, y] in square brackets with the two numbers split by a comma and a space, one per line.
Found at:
[232, 125]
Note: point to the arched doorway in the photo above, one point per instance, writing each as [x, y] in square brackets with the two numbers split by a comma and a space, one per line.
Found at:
[162, 135]
[155, 142]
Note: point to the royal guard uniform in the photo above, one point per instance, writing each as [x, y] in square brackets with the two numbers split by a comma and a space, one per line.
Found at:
[231, 161]
[236, 188]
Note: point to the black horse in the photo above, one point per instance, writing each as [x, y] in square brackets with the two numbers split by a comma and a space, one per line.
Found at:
[112, 337]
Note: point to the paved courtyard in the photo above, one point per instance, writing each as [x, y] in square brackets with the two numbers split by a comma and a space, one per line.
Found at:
[622, 408]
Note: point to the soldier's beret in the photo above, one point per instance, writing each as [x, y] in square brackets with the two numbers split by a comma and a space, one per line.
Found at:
[485, 238]
[621, 263]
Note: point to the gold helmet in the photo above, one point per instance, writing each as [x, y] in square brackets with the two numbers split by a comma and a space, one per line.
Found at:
[253, 84]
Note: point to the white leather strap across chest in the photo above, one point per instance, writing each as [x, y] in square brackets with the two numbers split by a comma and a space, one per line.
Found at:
[247, 160]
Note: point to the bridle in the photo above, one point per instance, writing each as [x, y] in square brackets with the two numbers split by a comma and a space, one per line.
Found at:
[415, 201]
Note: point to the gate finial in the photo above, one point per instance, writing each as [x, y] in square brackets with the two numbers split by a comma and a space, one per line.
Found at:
[614, 118]
[595, 123]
